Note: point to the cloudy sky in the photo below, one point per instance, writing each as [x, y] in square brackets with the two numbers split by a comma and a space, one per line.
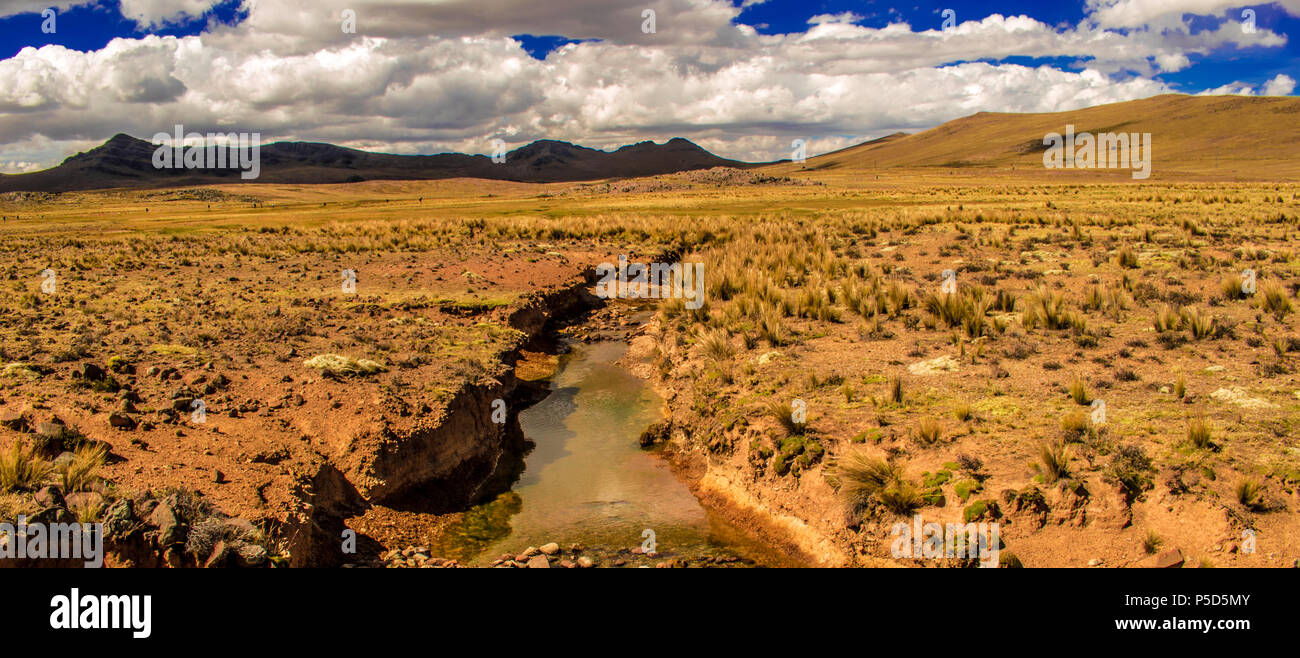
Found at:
[740, 77]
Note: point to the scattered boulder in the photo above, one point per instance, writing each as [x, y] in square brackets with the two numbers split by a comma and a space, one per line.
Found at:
[90, 372]
[539, 562]
[14, 420]
[51, 433]
[550, 549]
[171, 530]
[84, 500]
[120, 518]
[936, 366]
[1169, 559]
[50, 496]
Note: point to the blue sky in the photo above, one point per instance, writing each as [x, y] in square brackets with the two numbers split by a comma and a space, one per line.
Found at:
[740, 78]
[89, 28]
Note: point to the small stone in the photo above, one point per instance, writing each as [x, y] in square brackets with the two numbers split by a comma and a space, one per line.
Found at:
[91, 372]
[539, 562]
[218, 476]
[121, 421]
[220, 554]
[1094, 562]
[1168, 559]
[530, 551]
[585, 562]
[550, 549]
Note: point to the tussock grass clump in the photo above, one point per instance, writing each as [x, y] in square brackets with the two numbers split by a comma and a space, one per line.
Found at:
[850, 394]
[89, 511]
[1046, 307]
[338, 365]
[863, 477]
[22, 468]
[716, 345]
[1055, 460]
[1166, 319]
[1230, 286]
[901, 497]
[1180, 387]
[1199, 432]
[929, 431]
[1079, 391]
[82, 470]
[1250, 494]
[1127, 258]
[900, 298]
[1075, 425]
[1275, 301]
[771, 327]
[896, 389]
[1151, 542]
[1201, 325]
[963, 412]
[783, 414]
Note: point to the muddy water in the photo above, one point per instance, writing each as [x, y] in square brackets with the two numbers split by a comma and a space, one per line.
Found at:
[588, 482]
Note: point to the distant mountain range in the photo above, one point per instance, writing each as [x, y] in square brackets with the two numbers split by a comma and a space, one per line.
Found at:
[1192, 137]
[126, 161]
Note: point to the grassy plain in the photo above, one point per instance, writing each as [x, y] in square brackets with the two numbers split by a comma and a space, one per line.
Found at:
[825, 289]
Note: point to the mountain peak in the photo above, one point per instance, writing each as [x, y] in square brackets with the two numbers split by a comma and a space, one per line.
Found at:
[126, 161]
